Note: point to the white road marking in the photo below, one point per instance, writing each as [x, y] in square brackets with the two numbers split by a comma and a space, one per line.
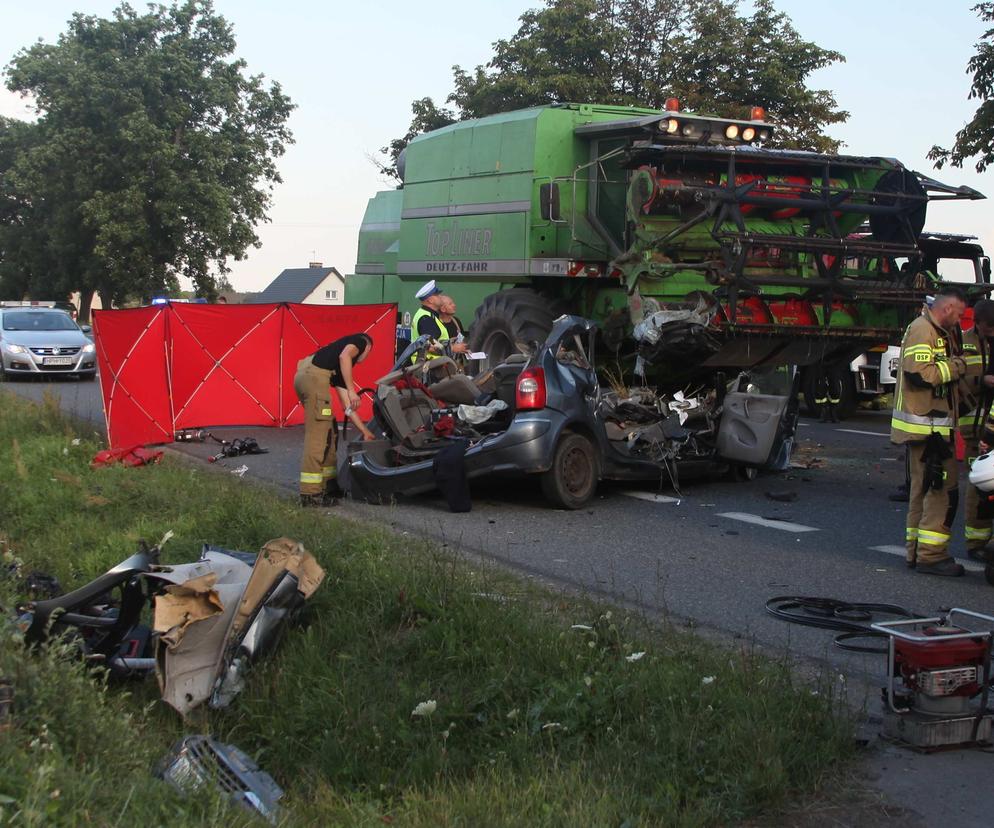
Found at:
[783, 525]
[857, 431]
[893, 549]
[890, 549]
[652, 498]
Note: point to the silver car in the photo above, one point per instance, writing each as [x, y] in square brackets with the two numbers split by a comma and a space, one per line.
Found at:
[38, 340]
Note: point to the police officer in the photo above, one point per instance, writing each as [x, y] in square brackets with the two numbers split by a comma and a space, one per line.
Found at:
[330, 366]
[977, 394]
[924, 418]
[427, 321]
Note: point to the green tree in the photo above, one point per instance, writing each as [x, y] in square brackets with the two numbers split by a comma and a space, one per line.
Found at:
[723, 63]
[976, 139]
[153, 155]
[640, 52]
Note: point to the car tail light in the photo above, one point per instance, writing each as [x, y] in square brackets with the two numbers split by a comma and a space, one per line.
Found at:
[529, 393]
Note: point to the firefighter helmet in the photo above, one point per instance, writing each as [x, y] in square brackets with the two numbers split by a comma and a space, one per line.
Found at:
[982, 472]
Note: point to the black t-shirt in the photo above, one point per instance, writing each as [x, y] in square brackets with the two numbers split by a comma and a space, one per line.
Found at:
[454, 327]
[328, 356]
[430, 325]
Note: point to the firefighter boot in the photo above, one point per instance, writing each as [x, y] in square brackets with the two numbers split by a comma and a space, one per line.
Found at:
[947, 567]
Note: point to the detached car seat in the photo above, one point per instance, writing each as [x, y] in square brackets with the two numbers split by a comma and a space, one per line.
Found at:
[406, 411]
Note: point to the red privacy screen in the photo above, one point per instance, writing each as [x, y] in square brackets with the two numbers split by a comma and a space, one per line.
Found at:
[168, 367]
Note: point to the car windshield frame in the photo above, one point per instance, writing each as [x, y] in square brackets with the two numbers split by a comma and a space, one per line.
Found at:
[60, 321]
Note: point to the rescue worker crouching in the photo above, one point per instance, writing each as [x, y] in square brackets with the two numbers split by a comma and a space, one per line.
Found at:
[330, 366]
[977, 394]
[924, 417]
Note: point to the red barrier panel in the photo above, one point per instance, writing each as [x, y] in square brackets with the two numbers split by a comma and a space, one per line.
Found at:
[225, 364]
[306, 328]
[171, 367]
[134, 381]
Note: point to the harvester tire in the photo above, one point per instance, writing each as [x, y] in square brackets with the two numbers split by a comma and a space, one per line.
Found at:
[509, 321]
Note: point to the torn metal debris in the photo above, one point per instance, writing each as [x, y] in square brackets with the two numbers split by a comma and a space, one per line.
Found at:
[211, 619]
[198, 761]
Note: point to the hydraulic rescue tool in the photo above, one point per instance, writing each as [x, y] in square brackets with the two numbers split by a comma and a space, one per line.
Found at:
[938, 680]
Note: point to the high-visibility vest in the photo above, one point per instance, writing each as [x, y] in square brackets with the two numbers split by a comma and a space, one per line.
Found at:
[443, 332]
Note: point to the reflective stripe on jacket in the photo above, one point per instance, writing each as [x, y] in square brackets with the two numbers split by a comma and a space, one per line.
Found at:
[927, 392]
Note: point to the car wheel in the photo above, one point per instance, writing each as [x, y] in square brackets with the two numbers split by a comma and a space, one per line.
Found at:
[507, 318]
[989, 573]
[572, 480]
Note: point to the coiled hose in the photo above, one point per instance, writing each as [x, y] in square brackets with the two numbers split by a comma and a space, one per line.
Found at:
[852, 620]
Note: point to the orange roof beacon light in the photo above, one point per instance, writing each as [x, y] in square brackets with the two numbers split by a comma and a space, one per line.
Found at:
[757, 113]
[672, 105]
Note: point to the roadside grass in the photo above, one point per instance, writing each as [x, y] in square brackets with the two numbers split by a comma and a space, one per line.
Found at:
[544, 715]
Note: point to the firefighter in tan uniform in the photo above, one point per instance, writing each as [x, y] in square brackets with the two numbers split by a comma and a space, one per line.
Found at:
[925, 411]
[976, 395]
[330, 366]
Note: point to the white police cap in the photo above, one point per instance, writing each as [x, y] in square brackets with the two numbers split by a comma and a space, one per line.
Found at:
[427, 289]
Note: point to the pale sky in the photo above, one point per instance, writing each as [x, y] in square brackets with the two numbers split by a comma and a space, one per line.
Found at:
[354, 68]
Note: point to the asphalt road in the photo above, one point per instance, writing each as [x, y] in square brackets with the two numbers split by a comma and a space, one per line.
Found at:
[708, 557]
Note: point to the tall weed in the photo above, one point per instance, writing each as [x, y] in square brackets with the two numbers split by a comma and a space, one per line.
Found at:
[544, 712]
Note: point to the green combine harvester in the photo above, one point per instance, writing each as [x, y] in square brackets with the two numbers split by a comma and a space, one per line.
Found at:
[643, 219]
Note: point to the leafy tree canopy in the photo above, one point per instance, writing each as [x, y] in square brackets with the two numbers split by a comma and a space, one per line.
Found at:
[708, 54]
[152, 157]
[976, 139]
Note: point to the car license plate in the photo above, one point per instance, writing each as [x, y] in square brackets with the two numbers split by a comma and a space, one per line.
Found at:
[57, 361]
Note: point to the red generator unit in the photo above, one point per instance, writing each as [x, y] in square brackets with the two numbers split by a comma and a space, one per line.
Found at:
[938, 680]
